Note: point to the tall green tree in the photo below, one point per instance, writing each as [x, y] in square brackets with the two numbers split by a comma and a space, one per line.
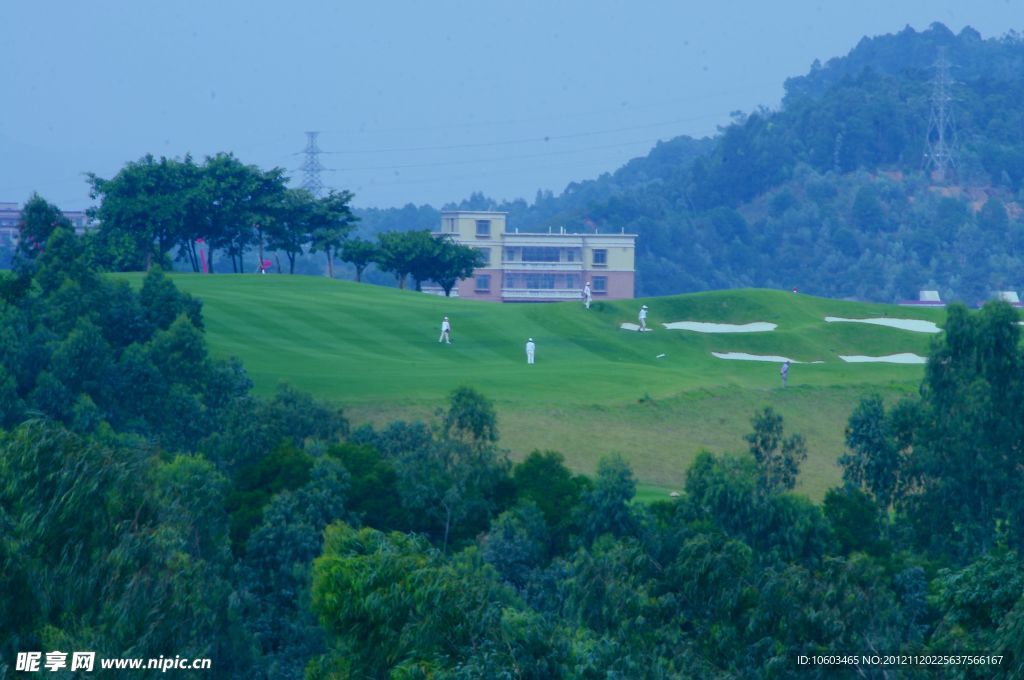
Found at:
[235, 199]
[331, 222]
[401, 252]
[149, 206]
[880, 445]
[605, 508]
[359, 253]
[778, 457]
[968, 457]
[290, 228]
[38, 220]
[453, 263]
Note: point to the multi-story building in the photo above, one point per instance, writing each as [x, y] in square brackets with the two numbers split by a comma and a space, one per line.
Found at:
[10, 213]
[541, 267]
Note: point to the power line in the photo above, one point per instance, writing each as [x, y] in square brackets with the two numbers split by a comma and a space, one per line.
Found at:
[503, 172]
[492, 159]
[688, 99]
[525, 140]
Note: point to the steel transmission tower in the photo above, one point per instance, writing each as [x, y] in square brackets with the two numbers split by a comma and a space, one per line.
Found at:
[311, 167]
[940, 148]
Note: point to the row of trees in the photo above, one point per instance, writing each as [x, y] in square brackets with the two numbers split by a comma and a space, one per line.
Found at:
[154, 207]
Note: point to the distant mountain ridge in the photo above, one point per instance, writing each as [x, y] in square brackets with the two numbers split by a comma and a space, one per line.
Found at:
[827, 194]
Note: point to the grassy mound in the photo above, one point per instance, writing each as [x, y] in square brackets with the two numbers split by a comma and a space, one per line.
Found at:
[595, 389]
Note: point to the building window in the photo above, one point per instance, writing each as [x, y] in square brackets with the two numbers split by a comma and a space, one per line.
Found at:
[483, 228]
[486, 252]
[540, 254]
[600, 258]
[600, 286]
[483, 283]
[449, 224]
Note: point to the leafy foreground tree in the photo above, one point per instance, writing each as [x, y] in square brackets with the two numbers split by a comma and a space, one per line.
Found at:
[99, 536]
[452, 480]
[950, 464]
[408, 612]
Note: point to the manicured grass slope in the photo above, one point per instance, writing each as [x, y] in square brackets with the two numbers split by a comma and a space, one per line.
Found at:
[595, 389]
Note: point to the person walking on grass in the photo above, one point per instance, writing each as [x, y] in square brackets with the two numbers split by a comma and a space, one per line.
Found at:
[586, 295]
[446, 332]
[530, 349]
[643, 318]
[784, 372]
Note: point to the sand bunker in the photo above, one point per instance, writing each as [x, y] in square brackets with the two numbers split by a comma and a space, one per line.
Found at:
[704, 327]
[634, 327]
[904, 358]
[743, 356]
[916, 325]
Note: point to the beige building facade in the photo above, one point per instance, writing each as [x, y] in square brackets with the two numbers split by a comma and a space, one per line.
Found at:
[541, 267]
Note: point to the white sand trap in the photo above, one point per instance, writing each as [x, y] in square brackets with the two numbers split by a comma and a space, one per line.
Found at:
[743, 356]
[705, 327]
[634, 327]
[905, 358]
[916, 325]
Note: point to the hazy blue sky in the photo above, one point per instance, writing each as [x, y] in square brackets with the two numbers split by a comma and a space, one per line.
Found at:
[418, 102]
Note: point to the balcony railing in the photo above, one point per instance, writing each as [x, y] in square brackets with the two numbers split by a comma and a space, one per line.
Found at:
[540, 294]
[543, 266]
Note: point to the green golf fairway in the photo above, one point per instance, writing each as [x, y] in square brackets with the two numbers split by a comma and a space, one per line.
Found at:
[595, 389]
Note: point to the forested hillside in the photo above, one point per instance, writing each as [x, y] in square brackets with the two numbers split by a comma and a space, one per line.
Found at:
[827, 194]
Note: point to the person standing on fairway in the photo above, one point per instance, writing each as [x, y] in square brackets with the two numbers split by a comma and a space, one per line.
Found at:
[643, 318]
[446, 332]
[586, 295]
[530, 349]
[784, 371]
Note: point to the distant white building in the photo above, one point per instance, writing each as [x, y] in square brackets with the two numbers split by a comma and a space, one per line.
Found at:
[1007, 296]
[540, 267]
[926, 298]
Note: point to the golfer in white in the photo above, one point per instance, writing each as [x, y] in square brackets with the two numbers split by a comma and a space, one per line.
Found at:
[586, 295]
[530, 349]
[643, 318]
[446, 332]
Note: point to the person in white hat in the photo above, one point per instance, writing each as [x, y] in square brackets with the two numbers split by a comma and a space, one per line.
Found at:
[643, 318]
[446, 332]
[586, 295]
[530, 349]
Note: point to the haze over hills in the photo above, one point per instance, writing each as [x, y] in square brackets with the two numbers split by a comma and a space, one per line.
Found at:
[827, 194]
